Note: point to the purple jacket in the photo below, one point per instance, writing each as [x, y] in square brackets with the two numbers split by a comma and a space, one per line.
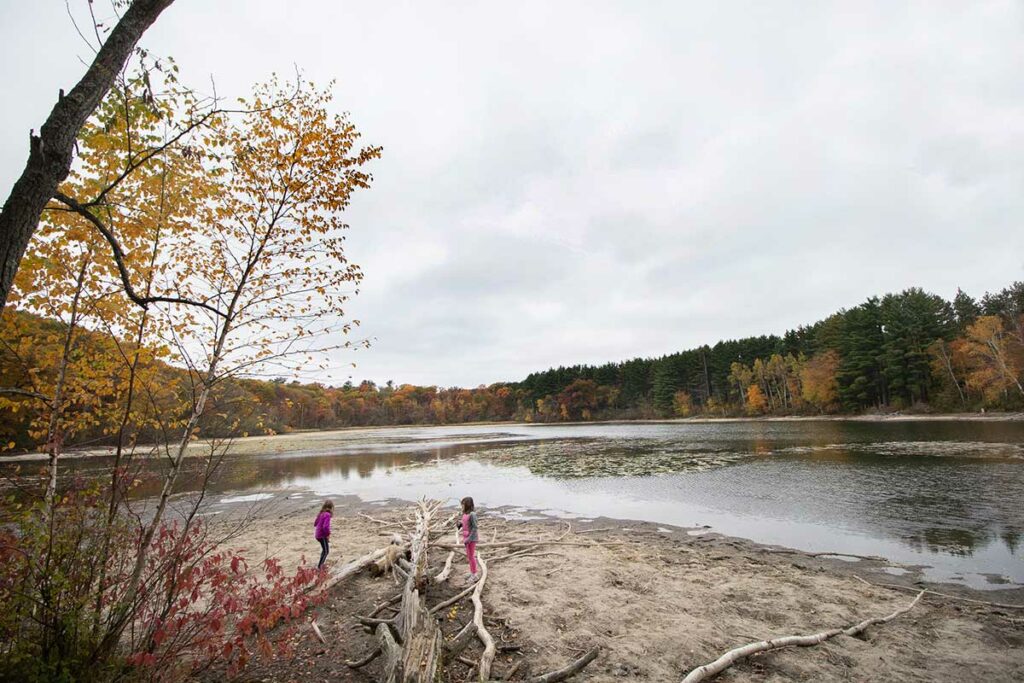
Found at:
[322, 525]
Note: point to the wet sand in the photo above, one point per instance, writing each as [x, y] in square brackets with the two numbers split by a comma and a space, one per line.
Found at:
[658, 600]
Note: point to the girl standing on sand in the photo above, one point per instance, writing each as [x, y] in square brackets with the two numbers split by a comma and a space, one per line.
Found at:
[469, 534]
[322, 530]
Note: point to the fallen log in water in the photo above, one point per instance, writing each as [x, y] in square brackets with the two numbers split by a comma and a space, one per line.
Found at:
[732, 656]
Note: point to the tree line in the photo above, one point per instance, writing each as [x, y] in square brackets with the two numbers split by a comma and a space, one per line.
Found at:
[907, 351]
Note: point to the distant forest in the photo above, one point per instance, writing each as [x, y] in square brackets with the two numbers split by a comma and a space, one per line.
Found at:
[911, 351]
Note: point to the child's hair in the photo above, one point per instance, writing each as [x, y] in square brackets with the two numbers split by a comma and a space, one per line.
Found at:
[467, 505]
[327, 506]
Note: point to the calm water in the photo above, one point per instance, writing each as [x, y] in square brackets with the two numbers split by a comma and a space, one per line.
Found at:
[945, 495]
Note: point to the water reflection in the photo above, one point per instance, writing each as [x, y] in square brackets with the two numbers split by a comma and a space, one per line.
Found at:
[940, 493]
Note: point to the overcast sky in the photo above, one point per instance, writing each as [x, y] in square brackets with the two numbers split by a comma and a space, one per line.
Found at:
[581, 182]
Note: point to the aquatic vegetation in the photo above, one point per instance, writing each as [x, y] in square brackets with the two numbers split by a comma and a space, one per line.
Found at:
[577, 458]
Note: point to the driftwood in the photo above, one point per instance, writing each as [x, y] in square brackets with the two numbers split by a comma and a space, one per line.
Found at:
[349, 570]
[411, 642]
[457, 644]
[487, 658]
[729, 658]
[443, 575]
[393, 554]
[568, 671]
[421, 635]
[415, 655]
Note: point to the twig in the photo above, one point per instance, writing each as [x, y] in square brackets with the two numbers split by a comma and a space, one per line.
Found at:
[568, 671]
[384, 605]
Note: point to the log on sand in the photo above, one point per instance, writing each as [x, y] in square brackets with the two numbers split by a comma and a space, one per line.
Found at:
[347, 571]
[411, 642]
[729, 658]
[487, 658]
[418, 656]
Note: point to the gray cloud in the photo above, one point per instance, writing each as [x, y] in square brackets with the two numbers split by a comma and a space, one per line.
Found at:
[590, 181]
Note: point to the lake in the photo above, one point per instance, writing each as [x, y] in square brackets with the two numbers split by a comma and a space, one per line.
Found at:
[945, 495]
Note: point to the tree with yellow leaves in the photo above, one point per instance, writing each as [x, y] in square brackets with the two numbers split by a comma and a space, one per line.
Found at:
[265, 252]
[818, 383]
[757, 404]
[995, 358]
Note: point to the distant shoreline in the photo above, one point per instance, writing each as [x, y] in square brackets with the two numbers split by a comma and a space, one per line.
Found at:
[244, 445]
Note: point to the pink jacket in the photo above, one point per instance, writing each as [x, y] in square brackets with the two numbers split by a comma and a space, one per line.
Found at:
[322, 525]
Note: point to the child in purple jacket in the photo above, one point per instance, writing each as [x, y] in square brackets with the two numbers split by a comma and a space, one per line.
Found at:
[322, 530]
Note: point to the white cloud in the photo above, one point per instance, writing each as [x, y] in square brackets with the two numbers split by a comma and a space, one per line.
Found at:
[590, 181]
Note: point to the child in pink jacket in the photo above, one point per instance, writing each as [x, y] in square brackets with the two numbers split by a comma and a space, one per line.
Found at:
[468, 525]
[322, 530]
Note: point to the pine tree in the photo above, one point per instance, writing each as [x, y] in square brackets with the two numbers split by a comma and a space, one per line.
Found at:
[861, 382]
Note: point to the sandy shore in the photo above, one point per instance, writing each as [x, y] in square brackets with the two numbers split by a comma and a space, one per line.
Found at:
[658, 600]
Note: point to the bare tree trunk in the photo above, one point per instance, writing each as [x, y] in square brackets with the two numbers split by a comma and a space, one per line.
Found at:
[50, 152]
[1000, 359]
[952, 375]
[121, 613]
[53, 437]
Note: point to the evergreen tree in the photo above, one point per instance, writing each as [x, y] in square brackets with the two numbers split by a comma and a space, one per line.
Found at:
[861, 381]
[966, 309]
[911, 322]
[666, 383]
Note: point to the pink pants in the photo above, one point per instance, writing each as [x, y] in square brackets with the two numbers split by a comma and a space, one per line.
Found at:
[471, 554]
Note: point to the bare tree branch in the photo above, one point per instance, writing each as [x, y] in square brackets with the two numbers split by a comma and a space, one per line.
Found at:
[118, 254]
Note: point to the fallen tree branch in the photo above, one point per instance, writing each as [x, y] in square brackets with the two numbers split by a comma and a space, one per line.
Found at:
[487, 658]
[443, 575]
[359, 664]
[384, 605]
[732, 656]
[316, 630]
[382, 522]
[570, 670]
[452, 600]
[349, 570]
[457, 644]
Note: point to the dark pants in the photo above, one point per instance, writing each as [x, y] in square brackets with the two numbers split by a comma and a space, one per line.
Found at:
[325, 548]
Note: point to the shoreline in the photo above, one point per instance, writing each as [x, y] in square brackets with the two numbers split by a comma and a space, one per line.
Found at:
[272, 444]
[659, 599]
[282, 503]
